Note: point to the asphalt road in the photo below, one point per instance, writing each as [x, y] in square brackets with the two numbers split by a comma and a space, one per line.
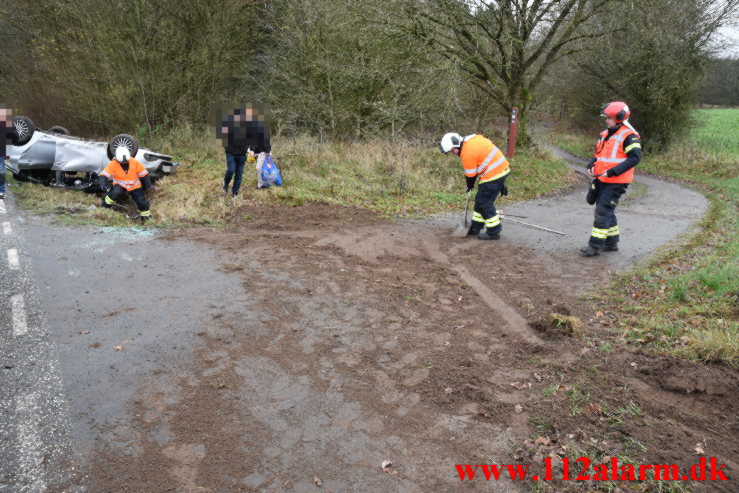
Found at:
[652, 213]
[92, 318]
[35, 425]
[89, 318]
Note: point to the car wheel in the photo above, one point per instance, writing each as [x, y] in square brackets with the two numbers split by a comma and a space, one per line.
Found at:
[122, 140]
[56, 129]
[25, 128]
[19, 176]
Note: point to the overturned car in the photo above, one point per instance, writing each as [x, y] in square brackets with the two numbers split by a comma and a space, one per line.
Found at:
[57, 159]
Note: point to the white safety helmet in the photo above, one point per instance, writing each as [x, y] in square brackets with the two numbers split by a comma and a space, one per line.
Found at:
[450, 141]
[122, 154]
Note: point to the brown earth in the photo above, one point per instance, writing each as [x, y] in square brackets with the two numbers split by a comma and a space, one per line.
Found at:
[378, 340]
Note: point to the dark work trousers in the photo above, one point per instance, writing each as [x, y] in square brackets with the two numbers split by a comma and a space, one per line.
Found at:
[118, 192]
[235, 170]
[485, 213]
[605, 227]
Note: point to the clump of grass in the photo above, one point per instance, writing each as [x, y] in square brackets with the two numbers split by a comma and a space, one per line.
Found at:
[566, 324]
[394, 180]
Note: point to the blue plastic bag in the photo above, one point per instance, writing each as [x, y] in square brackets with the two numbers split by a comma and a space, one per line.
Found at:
[270, 173]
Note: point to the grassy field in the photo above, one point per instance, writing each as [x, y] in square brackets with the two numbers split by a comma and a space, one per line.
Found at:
[395, 181]
[686, 300]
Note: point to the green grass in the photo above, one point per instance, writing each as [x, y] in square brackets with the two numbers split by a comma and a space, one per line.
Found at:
[684, 301]
[393, 180]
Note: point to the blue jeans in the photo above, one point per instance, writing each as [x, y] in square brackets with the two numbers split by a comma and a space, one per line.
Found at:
[234, 166]
[2, 174]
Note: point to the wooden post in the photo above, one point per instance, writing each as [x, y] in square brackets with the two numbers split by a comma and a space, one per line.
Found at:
[512, 132]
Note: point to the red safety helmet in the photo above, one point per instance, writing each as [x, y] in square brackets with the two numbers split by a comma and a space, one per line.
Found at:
[618, 110]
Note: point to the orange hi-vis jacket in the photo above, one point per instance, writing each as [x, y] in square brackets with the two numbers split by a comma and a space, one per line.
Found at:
[609, 153]
[129, 181]
[480, 157]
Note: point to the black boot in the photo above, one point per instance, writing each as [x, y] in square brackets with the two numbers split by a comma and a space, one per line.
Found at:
[610, 248]
[487, 235]
[590, 251]
[474, 230]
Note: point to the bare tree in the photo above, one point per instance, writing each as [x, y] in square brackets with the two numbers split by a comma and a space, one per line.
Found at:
[655, 62]
[506, 46]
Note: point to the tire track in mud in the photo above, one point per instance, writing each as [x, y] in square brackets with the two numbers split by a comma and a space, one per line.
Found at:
[515, 322]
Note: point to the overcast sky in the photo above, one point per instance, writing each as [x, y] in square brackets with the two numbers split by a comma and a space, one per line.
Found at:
[730, 36]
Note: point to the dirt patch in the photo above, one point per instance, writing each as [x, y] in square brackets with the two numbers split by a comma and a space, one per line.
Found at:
[380, 340]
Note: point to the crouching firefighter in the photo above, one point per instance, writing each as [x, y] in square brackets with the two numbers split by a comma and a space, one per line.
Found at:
[481, 158]
[612, 167]
[127, 174]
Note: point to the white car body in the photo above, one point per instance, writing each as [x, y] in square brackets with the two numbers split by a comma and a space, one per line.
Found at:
[67, 154]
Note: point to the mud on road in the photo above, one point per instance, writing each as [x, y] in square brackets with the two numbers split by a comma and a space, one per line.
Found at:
[356, 340]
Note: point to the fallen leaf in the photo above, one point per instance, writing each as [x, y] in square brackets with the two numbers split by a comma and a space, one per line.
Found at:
[390, 471]
[447, 391]
[599, 314]
[584, 350]
[699, 449]
[537, 377]
[596, 409]
[563, 388]
[684, 340]
[118, 348]
[518, 408]
[317, 481]
[542, 441]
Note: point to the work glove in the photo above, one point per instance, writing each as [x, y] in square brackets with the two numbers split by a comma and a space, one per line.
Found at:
[592, 194]
[470, 183]
[504, 191]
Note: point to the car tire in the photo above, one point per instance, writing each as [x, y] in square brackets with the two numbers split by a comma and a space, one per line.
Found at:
[56, 129]
[20, 176]
[25, 128]
[125, 140]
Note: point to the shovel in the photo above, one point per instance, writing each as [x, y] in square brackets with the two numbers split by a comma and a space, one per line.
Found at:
[461, 230]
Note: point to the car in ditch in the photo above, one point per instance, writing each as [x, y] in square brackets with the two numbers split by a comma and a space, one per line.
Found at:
[55, 158]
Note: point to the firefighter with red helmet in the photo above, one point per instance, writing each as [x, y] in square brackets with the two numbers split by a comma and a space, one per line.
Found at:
[617, 152]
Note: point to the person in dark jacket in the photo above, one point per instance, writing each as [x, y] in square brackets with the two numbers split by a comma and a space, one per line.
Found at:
[8, 136]
[245, 137]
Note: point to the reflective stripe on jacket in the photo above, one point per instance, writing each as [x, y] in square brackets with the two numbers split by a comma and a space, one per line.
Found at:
[480, 157]
[610, 152]
[129, 181]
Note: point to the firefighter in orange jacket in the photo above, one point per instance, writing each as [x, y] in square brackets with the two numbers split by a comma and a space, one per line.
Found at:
[612, 166]
[127, 174]
[481, 158]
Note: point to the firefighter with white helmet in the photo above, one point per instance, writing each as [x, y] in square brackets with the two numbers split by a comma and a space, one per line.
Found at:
[127, 174]
[481, 159]
[617, 152]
